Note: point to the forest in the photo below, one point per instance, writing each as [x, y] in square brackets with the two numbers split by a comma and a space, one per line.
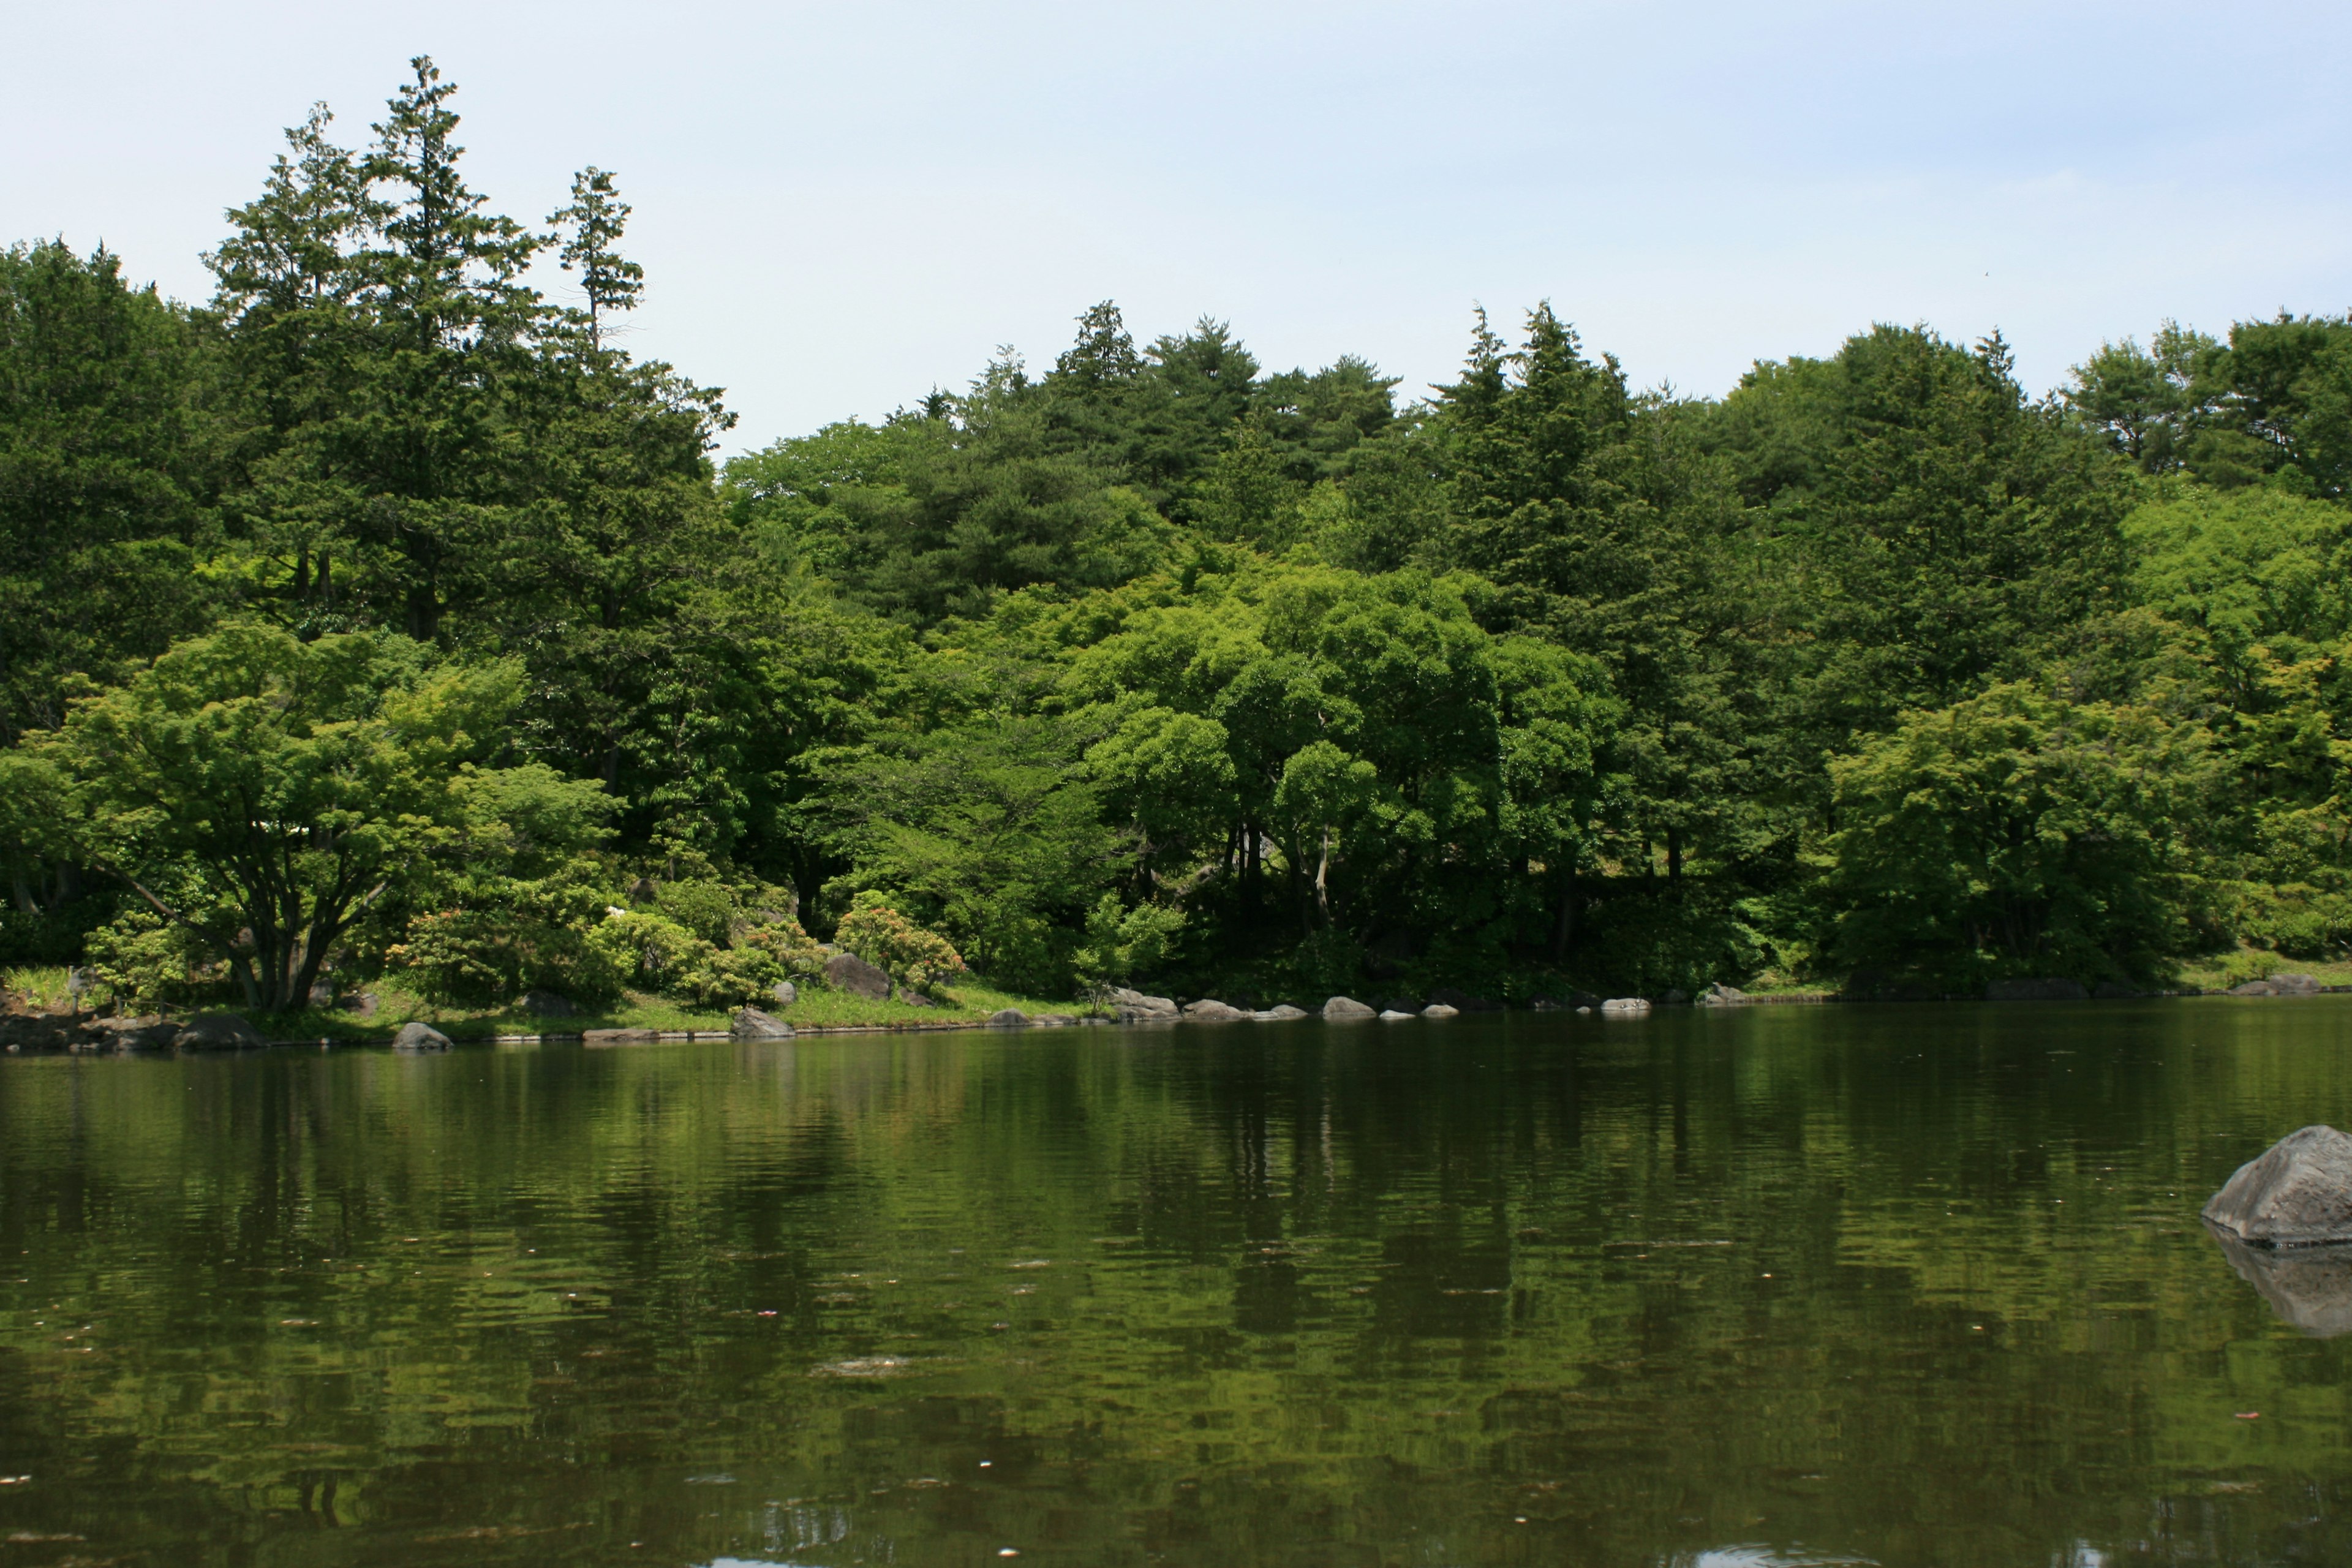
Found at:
[383, 618]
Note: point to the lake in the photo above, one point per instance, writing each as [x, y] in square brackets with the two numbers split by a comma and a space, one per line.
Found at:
[1723, 1288]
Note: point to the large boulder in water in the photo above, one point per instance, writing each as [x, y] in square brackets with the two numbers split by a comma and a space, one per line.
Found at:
[1210, 1011]
[2296, 1194]
[2309, 1287]
[1339, 1008]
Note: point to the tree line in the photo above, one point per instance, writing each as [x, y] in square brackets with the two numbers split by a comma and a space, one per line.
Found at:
[384, 615]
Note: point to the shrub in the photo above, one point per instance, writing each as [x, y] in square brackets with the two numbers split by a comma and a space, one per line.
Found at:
[656, 953]
[897, 945]
[146, 962]
[508, 937]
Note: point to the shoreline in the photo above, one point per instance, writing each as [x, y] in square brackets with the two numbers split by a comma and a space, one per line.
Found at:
[613, 1038]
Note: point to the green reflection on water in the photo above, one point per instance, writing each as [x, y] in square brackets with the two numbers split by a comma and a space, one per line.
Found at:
[1909, 1286]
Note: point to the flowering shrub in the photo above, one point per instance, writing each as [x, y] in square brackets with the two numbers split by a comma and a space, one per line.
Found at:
[656, 953]
[787, 945]
[897, 946]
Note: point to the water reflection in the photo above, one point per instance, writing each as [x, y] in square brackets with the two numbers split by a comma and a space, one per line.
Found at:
[2309, 1287]
[1778, 1287]
[1764, 1557]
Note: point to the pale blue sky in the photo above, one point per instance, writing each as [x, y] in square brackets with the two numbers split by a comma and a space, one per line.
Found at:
[841, 206]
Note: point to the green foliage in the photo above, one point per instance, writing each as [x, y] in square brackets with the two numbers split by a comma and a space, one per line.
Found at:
[512, 935]
[111, 437]
[986, 831]
[1122, 943]
[914, 957]
[2017, 834]
[353, 615]
[264, 793]
[650, 952]
[145, 962]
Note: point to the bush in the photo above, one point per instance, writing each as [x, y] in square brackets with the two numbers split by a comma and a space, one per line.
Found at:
[508, 937]
[656, 953]
[897, 946]
[146, 962]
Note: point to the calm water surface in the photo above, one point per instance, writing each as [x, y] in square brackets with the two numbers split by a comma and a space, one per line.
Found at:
[1886, 1285]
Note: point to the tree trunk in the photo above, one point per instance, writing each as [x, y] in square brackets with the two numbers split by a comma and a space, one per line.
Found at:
[1566, 929]
[1323, 883]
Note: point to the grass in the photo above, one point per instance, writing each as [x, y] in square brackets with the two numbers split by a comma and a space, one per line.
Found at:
[41, 988]
[2220, 970]
[967, 1004]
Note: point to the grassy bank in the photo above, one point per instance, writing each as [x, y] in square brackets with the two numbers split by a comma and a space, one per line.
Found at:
[971, 1002]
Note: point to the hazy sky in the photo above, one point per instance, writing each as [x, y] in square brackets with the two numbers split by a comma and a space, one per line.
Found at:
[841, 206]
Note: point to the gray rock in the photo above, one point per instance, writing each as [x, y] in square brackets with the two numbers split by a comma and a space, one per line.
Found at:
[2308, 1287]
[2049, 989]
[1008, 1018]
[549, 1005]
[151, 1033]
[1721, 995]
[1624, 1006]
[1343, 1008]
[1440, 1010]
[2278, 985]
[361, 1004]
[785, 992]
[1391, 1016]
[1135, 1007]
[1208, 1011]
[1281, 1013]
[217, 1032]
[751, 1024]
[847, 971]
[2295, 1193]
[36, 1034]
[419, 1037]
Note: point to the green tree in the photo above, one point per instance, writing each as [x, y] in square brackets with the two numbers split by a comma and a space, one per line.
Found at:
[2018, 834]
[111, 450]
[265, 794]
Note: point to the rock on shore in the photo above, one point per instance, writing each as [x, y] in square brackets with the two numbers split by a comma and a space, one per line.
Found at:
[1135, 1007]
[847, 971]
[751, 1024]
[2278, 985]
[218, 1032]
[1345, 1008]
[419, 1037]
